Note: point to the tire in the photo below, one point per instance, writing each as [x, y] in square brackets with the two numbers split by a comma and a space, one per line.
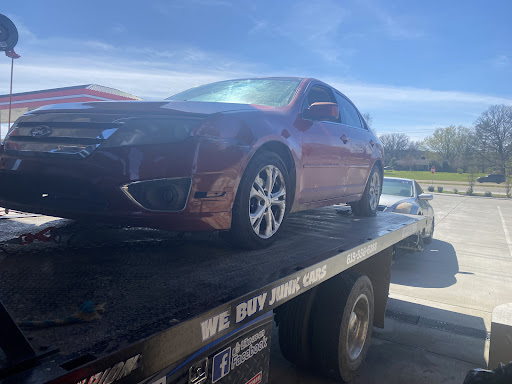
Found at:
[251, 235]
[336, 351]
[369, 202]
[294, 321]
[428, 239]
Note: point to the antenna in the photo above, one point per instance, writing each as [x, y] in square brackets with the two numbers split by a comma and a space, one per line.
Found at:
[8, 40]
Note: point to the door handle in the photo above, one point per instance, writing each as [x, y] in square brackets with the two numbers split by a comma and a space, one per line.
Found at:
[345, 139]
[372, 143]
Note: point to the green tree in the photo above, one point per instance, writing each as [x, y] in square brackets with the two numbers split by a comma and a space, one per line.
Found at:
[493, 132]
[450, 145]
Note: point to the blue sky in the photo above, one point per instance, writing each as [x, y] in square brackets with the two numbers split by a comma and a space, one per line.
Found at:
[414, 66]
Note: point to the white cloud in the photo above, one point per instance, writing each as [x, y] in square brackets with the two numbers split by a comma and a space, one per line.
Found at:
[311, 25]
[93, 44]
[378, 96]
[501, 61]
[149, 80]
[154, 73]
[396, 26]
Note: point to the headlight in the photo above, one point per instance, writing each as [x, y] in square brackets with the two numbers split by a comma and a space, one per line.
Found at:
[140, 131]
[403, 208]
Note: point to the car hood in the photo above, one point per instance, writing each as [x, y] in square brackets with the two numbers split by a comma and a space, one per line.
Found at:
[392, 200]
[147, 107]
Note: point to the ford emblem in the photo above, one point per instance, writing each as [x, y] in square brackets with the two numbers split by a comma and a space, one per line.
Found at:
[41, 131]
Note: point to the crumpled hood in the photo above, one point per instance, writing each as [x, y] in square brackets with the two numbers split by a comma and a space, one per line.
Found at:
[147, 107]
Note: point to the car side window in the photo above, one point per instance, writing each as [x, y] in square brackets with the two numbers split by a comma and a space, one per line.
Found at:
[419, 191]
[348, 112]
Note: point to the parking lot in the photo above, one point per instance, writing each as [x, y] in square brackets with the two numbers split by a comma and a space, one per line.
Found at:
[441, 300]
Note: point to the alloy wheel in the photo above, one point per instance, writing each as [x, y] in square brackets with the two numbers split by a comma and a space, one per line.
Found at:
[267, 201]
[374, 190]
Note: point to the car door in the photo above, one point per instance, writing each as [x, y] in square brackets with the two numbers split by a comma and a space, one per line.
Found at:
[358, 148]
[324, 157]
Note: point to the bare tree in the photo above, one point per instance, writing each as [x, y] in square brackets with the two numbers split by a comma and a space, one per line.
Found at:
[368, 118]
[395, 145]
[493, 131]
[508, 185]
[508, 179]
[471, 180]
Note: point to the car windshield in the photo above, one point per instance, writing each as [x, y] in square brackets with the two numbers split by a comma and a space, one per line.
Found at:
[268, 92]
[397, 187]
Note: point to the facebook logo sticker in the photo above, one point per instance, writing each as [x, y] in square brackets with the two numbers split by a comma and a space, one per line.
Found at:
[221, 364]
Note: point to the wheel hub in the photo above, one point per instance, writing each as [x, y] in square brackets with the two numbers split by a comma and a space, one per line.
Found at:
[267, 201]
[358, 327]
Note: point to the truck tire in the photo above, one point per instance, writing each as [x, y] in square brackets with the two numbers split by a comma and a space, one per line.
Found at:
[369, 202]
[342, 325]
[259, 213]
[294, 328]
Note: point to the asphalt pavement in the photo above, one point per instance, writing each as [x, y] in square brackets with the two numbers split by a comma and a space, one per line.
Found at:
[440, 302]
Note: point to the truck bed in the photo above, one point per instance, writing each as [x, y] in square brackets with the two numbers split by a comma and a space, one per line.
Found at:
[151, 281]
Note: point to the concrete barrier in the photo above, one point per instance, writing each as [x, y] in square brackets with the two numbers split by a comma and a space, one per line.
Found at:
[500, 350]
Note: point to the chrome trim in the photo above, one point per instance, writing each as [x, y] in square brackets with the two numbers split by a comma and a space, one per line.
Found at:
[124, 188]
[70, 139]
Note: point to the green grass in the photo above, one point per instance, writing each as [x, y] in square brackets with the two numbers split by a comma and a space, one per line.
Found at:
[474, 194]
[426, 175]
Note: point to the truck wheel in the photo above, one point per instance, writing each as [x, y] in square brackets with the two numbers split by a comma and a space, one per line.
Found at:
[342, 325]
[293, 319]
[369, 202]
[260, 205]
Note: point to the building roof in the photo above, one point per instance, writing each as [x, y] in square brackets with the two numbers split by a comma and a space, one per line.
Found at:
[78, 93]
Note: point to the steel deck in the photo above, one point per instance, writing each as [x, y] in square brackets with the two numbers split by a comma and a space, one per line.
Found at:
[153, 283]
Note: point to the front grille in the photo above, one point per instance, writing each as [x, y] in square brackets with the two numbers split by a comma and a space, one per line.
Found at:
[73, 139]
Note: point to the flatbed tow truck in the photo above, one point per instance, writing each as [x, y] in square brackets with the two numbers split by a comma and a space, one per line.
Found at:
[166, 308]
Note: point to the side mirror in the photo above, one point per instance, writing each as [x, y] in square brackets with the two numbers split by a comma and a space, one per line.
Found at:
[322, 111]
[426, 196]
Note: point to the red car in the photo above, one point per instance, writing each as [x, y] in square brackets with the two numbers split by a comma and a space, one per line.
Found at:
[235, 156]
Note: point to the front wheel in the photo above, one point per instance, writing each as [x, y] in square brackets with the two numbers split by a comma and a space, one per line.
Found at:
[260, 205]
[369, 202]
[428, 239]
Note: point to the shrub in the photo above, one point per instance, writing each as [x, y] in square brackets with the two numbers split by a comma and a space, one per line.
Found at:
[455, 190]
[431, 188]
[469, 191]
[488, 194]
[440, 189]
[460, 171]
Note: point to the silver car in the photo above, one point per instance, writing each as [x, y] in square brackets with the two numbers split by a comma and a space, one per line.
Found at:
[406, 196]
